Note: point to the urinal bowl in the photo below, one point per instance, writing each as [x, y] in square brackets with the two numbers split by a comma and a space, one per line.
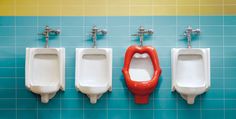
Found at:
[141, 71]
[44, 71]
[190, 72]
[93, 71]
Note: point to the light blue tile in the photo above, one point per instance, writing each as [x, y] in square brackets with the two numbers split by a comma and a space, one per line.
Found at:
[26, 31]
[141, 114]
[186, 114]
[51, 21]
[164, 41]
[216, 62]
[211, 41]
[212, 114]
[27, 103]
[211, 30]
[7, 21]
[230, 62]
[27, 41]
[95, 114]
[72, 103]
[26, 21]
[72, 21]
[7, 31]
[8, 114]
[76, 41]
[230, 72]
[7, 52]
[118, 114]
[94, 20]
[140, 21]
[229, 41]
[164, 21]
[229, 30]
[211, 20]
[164, 31]
[117, 21]
[49, 114]
[119, 31]
[72, 31]
[7, 41]
[229, 52]
[229, 20]
[20, 52]
[26, 114]
[165, 114]
[71, 114]
[187, 20]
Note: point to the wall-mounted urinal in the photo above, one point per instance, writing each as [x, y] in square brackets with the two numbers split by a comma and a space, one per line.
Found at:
[94, 69]
[45, 68]
[190, 69]
[141, 69]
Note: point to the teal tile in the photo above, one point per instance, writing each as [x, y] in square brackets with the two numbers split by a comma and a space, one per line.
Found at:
[212, 114]
[20, 62]
[7, 72]
[72, 103]
[164, 82]
[72, 21]
[211, 30]
[7, 62]
[27, 41]
[230, 62]
[167, 41]
[7, 83]
[212, 104]
[142, 114]
[229, 52]
[206, 41]
[217, 62]
[165, 104]
[26, 114]
[213, 94]
[182, 104]
[71, 114]
[49, 114]
[119, 93]
[101, 104]
[118, 82]
[27, 103]
[230, 93]
[230, 114]
[118, 114]
[186, 114]
[229, 41]
[230, 104]
[70, 72]
[7, 103]
[7, 21]
[72, 41]
[217, 72]
[26, 21]
[166, 73]
[72, 31]
[119, 103]
[230, 72]
[217, 83]
[8, 114]
[71, 93]
[230, 83]
[20, 52]
[25, 93]
[95, 114]
[211, 20]
[147, 106]
[165, 114]
[164, 93]
[20, 83]
[53, 104]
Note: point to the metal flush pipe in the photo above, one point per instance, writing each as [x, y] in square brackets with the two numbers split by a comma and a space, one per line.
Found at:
[189, 32]
[95, 31]
[142, 32]
[47, 32]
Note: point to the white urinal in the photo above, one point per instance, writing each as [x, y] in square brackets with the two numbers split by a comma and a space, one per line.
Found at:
[45, 71]
[93, 71]
[190, 72]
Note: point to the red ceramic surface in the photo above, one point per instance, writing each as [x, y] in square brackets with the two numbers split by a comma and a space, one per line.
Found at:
[141, 90]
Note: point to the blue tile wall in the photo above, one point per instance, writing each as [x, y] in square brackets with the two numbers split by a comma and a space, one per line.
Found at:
[218, 33]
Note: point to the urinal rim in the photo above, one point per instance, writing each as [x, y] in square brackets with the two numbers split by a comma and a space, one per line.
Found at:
[30, 53]
[205, 52]
[79, 54]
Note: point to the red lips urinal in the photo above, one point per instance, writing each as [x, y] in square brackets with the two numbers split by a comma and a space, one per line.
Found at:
[141, 89]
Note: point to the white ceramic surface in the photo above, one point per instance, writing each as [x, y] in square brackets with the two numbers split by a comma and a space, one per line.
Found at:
[93, 71]
[190, 72]
[45, 71]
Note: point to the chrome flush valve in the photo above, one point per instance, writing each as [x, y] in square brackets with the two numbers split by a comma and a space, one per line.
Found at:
[189, 32]
[141, 32]
[95, 31]
[48, 31]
